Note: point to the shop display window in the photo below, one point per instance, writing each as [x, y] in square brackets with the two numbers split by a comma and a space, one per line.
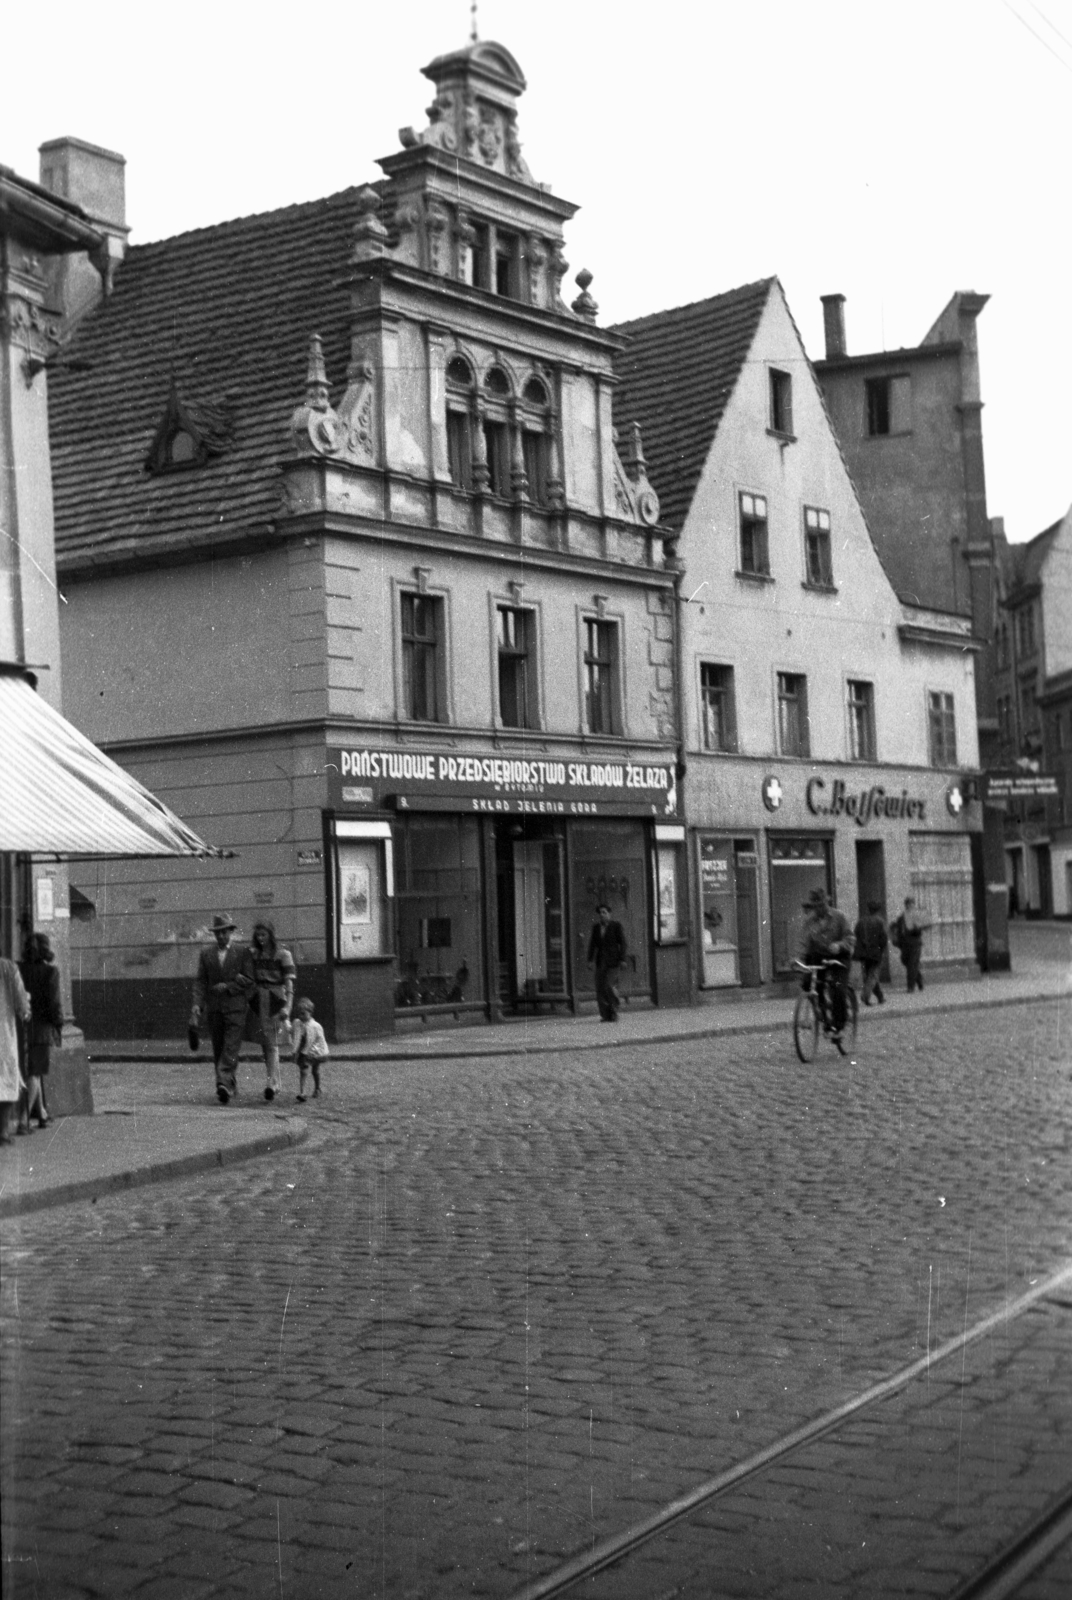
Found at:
[438, 914]
[609, 863]
[362, 890]
[797, 866]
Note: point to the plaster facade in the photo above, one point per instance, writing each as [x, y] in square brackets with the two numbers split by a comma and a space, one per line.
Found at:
[767, 822]
[427, 694]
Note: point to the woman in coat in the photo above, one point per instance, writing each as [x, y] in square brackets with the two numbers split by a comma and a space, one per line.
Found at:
[267, 975]
[42, 981]
[14, 1014]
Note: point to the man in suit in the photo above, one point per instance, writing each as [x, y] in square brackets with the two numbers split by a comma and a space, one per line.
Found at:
[221, 996]
[606, 951]
[871, 941]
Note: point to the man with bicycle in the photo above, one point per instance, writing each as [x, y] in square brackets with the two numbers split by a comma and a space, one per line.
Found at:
[827, 936]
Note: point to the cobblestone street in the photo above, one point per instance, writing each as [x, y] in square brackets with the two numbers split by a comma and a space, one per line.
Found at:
[495, 1310]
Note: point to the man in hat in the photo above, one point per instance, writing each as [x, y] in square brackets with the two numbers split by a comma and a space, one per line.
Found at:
[221, 996]
[606, 952]
[827, 937]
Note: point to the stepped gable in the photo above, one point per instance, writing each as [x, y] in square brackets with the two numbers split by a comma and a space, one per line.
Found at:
[219, 317]
[675, 378]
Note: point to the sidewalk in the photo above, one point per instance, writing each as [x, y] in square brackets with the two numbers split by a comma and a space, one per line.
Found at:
[169, 1127]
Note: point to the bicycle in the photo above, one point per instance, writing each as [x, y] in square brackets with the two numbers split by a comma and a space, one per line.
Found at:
[812, 1013]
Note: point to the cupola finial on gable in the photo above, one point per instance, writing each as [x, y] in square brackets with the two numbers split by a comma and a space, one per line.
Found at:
[474, 113]
[584, 305]
[370, 235]
[314, 425]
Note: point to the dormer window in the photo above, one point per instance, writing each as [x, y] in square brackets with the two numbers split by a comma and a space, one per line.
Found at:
[182, 450]
[493, 261]
[190, 433]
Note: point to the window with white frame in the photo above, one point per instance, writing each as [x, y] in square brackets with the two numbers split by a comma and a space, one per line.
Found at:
[818, 562]
[718, 715]
[861, 706]
[516, 666]
[601, 686]
[755, 552]
[793, 731]
[423, 659]
[943, 729]
[781, 401]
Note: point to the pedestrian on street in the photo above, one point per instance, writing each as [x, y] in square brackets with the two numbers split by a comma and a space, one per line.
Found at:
[268, 974]
[221, 997]
[908, 932]
[310, 1048]
[42, 981]
[826, 936]
[872, 938]
[14, 1011]
[606, 952]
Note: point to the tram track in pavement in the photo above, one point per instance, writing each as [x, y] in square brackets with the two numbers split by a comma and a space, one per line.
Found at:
[999, 1577]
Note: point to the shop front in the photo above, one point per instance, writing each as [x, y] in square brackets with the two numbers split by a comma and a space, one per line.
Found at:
[469, 883]
[864, 835]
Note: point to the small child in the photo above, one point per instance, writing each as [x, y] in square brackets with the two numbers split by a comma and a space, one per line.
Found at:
[310, 1048]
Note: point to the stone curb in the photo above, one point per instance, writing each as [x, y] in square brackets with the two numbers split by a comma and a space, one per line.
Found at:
[294, 1133]
[627, 1041]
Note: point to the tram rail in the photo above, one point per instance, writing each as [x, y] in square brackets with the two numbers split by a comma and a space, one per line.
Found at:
[1024, 1554]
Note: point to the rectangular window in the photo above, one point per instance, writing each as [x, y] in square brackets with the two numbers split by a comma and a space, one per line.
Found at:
[422, 658]
[479, 257]
[517, 667]
[793, 737]
[861, 720]
[600, 675]
[497, 440]
[817, 559]
[717, 709]
[536, 448]
[1029, 717]
[460, 449]
[506, 266]
[943, 730]
[888, 403]
[781, 401]
[755, 557]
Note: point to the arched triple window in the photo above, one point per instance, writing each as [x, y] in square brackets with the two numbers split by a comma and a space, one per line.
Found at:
[516, 460]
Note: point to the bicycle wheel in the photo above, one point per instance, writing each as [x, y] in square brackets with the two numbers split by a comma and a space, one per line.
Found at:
[806, 1027]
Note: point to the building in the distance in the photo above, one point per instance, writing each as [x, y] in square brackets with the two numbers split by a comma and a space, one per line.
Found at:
[909, 422]
[828, 724]
[357, 577]
[1033, 685]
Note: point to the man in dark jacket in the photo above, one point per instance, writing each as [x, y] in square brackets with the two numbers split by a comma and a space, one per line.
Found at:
[606, 951]
[826, 936]
[871, 941]
[221, 998]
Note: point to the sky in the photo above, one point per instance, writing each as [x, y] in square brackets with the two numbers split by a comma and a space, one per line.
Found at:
[890, 153]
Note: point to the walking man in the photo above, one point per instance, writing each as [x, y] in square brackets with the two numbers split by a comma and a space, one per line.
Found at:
[908, 935]
[871, 941]
[606, 951]
[222, 999]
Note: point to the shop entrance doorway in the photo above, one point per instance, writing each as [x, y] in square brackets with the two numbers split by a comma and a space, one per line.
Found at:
[871, 887]
[531, 914]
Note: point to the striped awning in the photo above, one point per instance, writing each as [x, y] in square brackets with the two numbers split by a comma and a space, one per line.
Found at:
[61, 796]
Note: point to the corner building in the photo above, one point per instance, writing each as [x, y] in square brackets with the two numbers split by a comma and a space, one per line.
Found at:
[358, 578]
[828, 726]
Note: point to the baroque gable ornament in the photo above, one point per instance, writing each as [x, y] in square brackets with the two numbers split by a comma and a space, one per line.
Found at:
[474, 112]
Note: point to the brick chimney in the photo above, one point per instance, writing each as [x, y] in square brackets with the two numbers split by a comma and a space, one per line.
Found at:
[95, 180]
[834, 325]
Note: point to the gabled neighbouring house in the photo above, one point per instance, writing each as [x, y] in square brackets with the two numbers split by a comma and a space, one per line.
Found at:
[827, 725]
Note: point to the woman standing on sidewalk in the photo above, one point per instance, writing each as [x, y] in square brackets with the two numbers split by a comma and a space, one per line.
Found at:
[14, 1009]
[268, 974]
[42, 981]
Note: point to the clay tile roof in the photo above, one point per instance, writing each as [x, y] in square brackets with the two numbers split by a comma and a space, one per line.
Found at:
[222, 316]
[675, 378]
